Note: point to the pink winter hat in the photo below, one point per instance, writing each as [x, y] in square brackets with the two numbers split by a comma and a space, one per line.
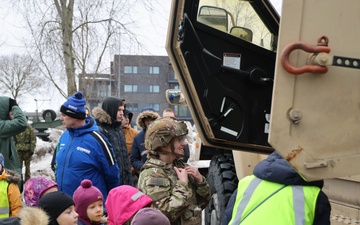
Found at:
[35, 187]
[123, 202]
[85, 195]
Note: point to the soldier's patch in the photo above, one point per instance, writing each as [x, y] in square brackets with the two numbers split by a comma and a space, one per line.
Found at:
[157, 182]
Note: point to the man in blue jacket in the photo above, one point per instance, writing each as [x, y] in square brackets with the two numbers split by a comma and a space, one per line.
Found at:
[83, 152]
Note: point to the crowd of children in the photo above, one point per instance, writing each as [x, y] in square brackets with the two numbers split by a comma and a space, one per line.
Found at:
[43, 204]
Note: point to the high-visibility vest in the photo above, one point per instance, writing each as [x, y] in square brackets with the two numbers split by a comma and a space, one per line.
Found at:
[4, 199]
[263, 202]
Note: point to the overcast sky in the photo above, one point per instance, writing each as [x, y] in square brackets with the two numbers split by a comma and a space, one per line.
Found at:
[151, 31]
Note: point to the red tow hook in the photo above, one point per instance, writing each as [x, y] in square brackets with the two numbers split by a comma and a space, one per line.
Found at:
[321, 47]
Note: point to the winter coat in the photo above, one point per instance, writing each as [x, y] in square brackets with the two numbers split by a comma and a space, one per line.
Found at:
[10, 221]
[85, 154]
[12, 190]
[276, 169]
[138, 147]
[112, 130]
[130, 134]
[26, 141]
[33, 216]
[181, 203]
[8, 128]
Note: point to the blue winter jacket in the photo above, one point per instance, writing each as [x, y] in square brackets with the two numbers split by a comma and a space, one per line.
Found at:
[85, 154]
[138, 147]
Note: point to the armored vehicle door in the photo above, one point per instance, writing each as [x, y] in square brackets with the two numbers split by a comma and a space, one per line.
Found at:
[223, 54]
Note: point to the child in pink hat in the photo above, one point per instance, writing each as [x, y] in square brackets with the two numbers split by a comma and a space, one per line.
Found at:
[123, 202]
[36, 187]
[89, 204]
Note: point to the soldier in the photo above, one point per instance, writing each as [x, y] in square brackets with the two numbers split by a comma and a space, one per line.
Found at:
[25, 143]
[177, 189]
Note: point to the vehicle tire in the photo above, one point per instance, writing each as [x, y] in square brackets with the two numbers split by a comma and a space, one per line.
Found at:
[223, 181]
[52, 114]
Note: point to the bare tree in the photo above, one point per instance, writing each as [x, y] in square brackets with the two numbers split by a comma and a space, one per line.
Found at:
[18, 76]
[70, 37]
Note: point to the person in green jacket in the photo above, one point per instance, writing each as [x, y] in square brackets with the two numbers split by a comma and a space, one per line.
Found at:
[12, 122]
[25, 143]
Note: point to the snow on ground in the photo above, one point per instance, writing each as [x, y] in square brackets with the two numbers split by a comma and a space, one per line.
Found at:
[41, 160]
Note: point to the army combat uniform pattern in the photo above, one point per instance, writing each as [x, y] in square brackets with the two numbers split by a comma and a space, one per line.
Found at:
[181, 203]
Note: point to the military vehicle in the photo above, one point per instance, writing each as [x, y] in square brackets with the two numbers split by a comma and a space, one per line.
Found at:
[48, 119]
[256, 79]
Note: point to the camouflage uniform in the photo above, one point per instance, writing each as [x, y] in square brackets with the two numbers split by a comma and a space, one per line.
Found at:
[181, 203]
[25, 143]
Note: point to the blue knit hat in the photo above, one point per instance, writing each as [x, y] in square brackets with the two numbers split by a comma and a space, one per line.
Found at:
[75, 106]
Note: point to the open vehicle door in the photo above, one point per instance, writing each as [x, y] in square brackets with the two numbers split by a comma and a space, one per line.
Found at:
[225, 65]
[224, 54]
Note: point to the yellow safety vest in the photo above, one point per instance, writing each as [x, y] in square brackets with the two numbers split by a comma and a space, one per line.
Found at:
[263, 202]
[4, 199]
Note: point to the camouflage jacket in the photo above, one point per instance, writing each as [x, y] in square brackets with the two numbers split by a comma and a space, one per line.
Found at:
[26, 140]
[181, 203]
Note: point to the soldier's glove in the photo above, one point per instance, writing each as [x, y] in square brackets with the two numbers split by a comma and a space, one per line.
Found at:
[12, 102]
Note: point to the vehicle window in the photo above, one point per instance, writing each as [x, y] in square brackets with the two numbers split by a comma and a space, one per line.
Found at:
[237, 18]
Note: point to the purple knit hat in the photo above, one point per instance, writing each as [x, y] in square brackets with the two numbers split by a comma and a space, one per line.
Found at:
[150, 216]
[85, 195]
[35, 187]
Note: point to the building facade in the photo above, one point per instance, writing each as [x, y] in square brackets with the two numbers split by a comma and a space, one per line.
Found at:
[139, 79]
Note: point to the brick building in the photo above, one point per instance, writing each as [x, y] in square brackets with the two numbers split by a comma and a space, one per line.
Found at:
[140, 80]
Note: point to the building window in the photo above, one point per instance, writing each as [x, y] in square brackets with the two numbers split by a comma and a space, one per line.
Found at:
[154, 88]
[102, 92]
[155, 106]
[182, 111]
[132, 107]
[130, 88]
[154, 70]
[130, 70]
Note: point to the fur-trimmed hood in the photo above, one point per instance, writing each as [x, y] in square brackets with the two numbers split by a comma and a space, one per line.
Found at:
[33, 216]
[10, 176]
[146, 114]
[101, 116]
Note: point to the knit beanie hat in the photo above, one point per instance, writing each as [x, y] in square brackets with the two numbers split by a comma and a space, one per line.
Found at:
[35, 187]
[54, 203]
[123, 202]
[150, 216]
[85, 195]
[75, 106]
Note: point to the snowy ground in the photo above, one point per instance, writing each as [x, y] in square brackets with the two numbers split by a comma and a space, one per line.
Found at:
[40, 163]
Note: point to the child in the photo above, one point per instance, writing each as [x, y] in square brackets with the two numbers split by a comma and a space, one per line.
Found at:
[88, 203]
[36, 187]
[150, 216]
[9, 189]
[123, 202]
[59, 207]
